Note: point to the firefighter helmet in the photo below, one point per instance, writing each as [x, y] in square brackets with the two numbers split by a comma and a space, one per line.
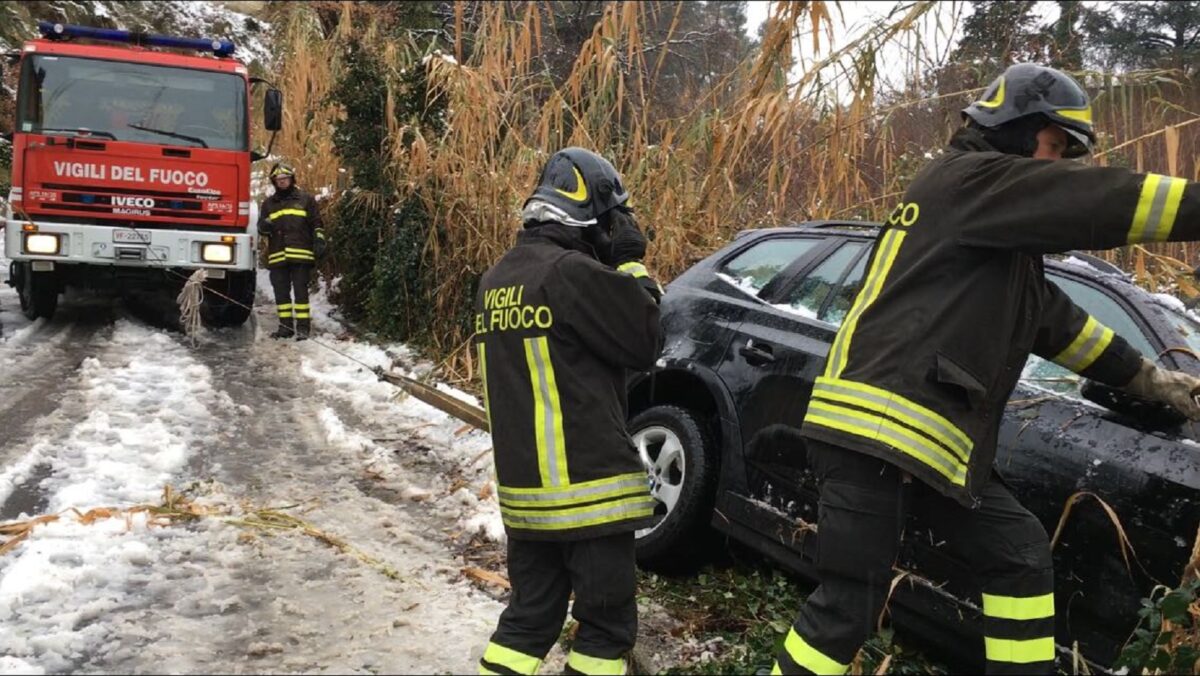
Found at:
[1026, 89]
[281, 169]
[576, 187]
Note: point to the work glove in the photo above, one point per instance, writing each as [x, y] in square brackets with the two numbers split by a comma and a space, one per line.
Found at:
[628, 242]
[628, 250]
[319, 245]
[1174, 388]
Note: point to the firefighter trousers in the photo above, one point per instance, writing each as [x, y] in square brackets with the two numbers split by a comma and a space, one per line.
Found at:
[601, 573]
[862, 511]
[294, 314]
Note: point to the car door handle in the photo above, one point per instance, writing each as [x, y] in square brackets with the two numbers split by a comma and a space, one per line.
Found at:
[756, 354]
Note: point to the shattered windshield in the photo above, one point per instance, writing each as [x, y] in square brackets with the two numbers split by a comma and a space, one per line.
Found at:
[132, 102]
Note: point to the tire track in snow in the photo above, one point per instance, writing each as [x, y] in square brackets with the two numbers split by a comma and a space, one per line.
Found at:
[253, 602]
[306, 607]
[142, 410]
[124, 431]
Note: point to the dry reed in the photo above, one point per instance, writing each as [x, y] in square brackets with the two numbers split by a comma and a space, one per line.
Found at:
[752, 150]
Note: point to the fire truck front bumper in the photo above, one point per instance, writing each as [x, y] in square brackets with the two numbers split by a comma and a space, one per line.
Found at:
[87, 244]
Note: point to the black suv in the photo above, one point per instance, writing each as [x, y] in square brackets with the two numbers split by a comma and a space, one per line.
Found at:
[716, 423]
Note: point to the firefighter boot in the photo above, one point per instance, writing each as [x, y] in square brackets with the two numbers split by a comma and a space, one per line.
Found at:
[303, 327]
[286, 328]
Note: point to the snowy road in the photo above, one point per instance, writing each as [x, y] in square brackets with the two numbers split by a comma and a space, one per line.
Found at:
[99, 410]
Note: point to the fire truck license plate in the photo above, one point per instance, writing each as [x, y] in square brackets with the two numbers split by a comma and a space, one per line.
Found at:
[131, 237]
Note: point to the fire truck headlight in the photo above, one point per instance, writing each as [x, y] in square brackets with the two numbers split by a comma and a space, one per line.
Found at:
[38, 243]
[217, 253]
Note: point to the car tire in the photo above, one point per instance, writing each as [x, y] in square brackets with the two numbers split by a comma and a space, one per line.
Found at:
[683, 464]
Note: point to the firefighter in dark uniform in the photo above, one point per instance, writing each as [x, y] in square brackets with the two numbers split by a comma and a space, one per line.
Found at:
[561, 318]
[919, 374]
[292, 223]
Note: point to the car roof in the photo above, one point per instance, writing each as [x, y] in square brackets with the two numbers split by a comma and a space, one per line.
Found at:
[1085, 263]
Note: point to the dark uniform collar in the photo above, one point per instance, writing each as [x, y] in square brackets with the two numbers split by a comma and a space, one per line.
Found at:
[971, 140]
[557, 234]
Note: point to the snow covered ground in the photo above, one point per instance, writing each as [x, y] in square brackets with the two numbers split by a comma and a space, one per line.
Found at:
[102, 411]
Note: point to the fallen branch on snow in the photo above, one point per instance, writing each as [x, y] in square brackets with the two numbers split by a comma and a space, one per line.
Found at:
[177, 507]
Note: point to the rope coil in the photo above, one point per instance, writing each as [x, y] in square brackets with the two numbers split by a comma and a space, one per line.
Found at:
[189, 299]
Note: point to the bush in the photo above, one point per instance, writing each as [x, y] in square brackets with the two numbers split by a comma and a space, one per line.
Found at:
[1167, 639]
[5, 168]
[379, 237]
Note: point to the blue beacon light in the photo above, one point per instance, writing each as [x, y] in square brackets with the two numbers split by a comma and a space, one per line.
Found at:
[59, 31]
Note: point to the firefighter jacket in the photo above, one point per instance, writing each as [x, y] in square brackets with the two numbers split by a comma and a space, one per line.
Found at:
[556, 331]
[292, 224]
[955, 300]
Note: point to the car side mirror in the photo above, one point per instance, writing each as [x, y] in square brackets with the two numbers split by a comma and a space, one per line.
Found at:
[1149, 414]
[273, 110]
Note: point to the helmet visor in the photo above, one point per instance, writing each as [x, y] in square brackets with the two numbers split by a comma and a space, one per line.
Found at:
[1079, 144]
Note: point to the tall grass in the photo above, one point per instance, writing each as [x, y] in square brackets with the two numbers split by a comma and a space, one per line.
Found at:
[767, 144]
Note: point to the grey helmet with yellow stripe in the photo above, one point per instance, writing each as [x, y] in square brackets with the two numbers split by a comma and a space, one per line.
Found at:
[281, 169]
[576, 188]
[1026, 89]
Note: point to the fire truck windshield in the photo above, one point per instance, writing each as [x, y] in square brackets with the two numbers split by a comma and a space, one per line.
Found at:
[132, 102]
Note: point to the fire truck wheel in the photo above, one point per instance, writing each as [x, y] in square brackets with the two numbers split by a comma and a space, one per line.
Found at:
[233, 306]
[38, 292]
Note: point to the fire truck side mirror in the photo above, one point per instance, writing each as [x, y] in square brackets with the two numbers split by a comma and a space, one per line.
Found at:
[273, 110]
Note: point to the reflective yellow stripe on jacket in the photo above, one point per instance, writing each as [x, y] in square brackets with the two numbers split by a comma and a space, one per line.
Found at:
[590, 503]
[558, 504]
[886, 417]
[547, 413]
[1087, 347]
[889, 247]
[287, 212]
[580, 517]
[622, 485]
[1154, 216]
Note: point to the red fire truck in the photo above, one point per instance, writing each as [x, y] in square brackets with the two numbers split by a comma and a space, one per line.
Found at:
[131, 168]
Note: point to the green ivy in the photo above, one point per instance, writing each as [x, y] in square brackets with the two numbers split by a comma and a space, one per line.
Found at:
[1150, 649]
[750, 607]
[377, 238]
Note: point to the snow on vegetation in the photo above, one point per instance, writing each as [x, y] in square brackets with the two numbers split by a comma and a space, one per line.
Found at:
[197, 19]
